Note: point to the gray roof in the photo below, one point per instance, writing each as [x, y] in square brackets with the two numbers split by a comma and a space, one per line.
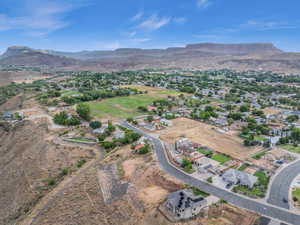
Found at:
[235, 176]
[184, 199]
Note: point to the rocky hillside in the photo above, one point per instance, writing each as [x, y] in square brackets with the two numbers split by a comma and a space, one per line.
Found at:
[18, 55]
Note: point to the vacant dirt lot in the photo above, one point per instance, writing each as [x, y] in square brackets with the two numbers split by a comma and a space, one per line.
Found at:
[272, 111]
[207, 135]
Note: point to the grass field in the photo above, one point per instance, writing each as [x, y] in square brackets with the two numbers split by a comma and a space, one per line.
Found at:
[291, 148]
[124, 107]
[221, 158]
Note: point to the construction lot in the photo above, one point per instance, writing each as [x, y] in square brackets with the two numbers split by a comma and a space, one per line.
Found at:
[208, 136]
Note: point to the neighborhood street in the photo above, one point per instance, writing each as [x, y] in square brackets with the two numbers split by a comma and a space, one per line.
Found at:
[281, 185]
[235, 199]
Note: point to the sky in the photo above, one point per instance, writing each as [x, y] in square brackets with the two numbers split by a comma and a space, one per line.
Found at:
[75, 25]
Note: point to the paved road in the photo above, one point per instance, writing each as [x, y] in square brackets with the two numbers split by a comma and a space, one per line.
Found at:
[281, 185]
[238, 200]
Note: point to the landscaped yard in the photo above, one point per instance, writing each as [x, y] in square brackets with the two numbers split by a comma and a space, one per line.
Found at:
[221, 158]
[204, 151]
[198, 192]
[296, 194]
[291, 148]
[259, 190]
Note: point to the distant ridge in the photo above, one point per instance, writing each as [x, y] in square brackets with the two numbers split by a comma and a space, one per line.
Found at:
[202, 56]
[209, 48]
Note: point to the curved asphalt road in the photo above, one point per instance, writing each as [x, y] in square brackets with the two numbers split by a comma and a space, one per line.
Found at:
[281, 185]
[238, 200]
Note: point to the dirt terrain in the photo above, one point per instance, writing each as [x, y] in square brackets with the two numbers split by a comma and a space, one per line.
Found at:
[82, 202]
[20, 77]
[208, 136]
[28, 166]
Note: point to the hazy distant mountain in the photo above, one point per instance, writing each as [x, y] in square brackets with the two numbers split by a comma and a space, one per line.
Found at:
[20, 55]
[204, 49]
[248, 56]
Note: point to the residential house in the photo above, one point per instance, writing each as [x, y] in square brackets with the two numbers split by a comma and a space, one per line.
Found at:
[204, 164]
[183, 204]
[233, 176]
[119, 134]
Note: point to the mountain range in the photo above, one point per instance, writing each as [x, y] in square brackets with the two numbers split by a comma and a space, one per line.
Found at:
[246, 56]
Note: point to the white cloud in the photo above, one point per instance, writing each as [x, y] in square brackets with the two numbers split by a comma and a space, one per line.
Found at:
[137, 16]
[39, 18]
[203, 3]
[139, 40]
[154, 22]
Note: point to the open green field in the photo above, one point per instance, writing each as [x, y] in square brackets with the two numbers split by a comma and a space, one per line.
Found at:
[126, 106]
[291, 148]
[120, 107]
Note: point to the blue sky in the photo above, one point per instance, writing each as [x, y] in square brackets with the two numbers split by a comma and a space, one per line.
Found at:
[74, 25]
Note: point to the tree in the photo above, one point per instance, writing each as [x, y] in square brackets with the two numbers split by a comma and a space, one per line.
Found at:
[296, 135]
[95, 124]
[84, 111]
[150, 118]
[292, 118]
[245, 108]
[142, 109]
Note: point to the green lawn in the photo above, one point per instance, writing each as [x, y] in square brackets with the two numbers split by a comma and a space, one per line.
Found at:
[204, 151]
[221, 158]
[255, 191]
[260, 138]
[198, 192]
[291, 148]
[120, 107]
[259, 189]
[296, 194]
[263, 179]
